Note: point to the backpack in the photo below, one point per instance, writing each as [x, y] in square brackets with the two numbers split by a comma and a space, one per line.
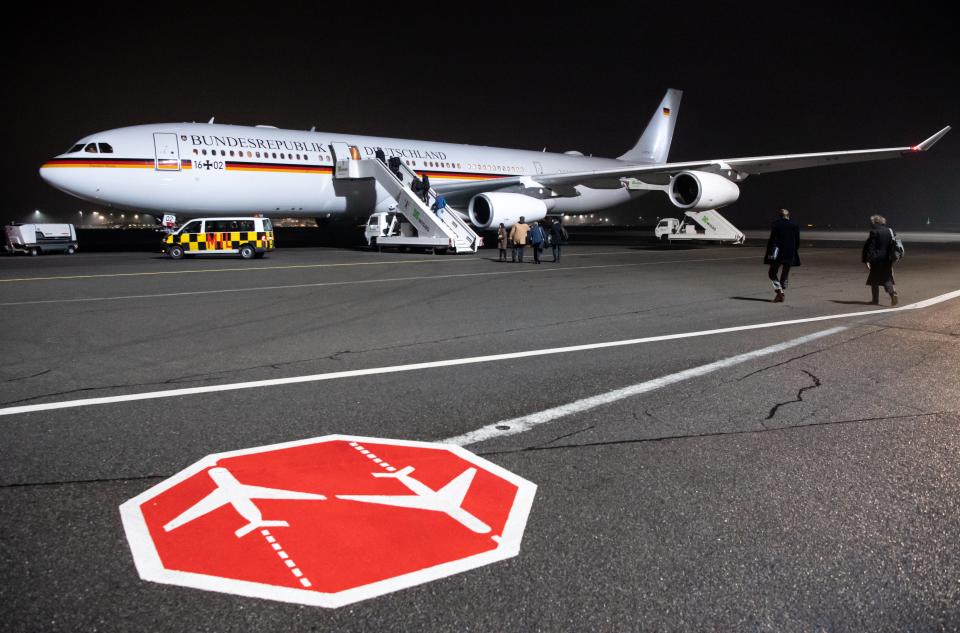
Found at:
[896, 247]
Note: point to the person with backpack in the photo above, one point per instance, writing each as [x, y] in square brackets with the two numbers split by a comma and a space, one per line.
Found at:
[537, 238]
[881, 250]
[783, 250]
[439, 205]
[558, 235]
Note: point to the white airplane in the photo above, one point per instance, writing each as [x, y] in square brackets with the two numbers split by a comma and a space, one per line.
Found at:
[195, 169]
[239, 495]
[448, 499]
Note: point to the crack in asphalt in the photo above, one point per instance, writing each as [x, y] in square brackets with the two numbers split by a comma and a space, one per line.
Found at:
[67, 482]
[45, 371]
[799, 398]
[694, 436]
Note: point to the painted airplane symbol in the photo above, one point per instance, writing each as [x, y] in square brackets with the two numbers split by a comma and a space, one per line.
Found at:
[239, 495]
[447, 500]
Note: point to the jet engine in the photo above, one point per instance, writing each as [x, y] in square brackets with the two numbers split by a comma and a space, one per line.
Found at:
[488, 210]
[700, 190]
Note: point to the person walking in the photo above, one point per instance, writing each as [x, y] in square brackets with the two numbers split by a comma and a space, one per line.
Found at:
[558, 235]
[380, 155]
[519, 236]
[537, 238]
[878, 256]
[425, 188]
[783, 252]
[502, 239]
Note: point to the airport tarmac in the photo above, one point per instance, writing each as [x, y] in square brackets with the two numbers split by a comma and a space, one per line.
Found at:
[723, 462]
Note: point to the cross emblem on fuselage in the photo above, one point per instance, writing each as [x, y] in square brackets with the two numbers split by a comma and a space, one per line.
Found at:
[207, 165]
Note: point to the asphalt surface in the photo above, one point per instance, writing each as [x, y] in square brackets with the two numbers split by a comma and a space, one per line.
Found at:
[815, 488]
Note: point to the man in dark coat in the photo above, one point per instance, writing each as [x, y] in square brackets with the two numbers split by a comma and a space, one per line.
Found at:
[877, 255]
[783, 252]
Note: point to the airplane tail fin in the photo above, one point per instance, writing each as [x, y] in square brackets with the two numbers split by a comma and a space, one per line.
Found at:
[253, 525]
[454, 492]
[654, 144]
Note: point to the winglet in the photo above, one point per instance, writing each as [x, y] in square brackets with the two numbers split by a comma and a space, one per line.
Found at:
[927, 144]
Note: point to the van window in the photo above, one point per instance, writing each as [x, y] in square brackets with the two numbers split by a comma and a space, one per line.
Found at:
[193, 227]
[218, 226]
[245, 225]
[267, 224]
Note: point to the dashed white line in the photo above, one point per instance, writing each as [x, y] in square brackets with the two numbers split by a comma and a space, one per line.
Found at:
[296, 571]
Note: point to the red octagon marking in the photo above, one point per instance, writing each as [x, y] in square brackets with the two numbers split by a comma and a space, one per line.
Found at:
[327, 521]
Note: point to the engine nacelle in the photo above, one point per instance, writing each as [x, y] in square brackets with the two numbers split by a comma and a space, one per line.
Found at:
[700, 190]
[488, 210]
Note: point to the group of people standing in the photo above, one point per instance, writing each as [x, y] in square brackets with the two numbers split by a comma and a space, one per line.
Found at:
[535, 235]
[879, 254]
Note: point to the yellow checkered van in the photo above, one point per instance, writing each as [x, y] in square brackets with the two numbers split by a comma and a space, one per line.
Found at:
[247, 237]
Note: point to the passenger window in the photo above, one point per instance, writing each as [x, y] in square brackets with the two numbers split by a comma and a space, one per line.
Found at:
[283, 156]
[218, 226]
[267, 224]
[193, 227]
[91, 148]
[245, 225]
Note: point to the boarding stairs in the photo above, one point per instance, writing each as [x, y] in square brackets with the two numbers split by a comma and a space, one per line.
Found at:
[446, 230]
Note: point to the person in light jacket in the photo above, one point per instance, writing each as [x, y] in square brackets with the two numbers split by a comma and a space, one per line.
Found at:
[877, 256]
[519, 236]
[783, 252]
[502, 238]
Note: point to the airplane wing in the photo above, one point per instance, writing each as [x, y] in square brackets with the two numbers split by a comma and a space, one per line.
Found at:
[656, 174]
[208, 504]
[454, 492]
[259, 492]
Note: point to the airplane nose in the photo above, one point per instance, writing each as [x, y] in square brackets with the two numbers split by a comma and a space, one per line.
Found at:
[57, 176]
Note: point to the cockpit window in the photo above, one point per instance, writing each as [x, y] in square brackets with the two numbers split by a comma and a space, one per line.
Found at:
[75, 148]
[91, 148]
[105, 148]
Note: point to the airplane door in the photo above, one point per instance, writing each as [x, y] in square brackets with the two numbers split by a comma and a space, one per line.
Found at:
[167, 151]
[538, 168]
[343, 154]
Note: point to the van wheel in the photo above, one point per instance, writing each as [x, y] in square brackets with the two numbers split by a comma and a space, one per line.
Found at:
[34, 252]
[71, 250]
[247, 252]
[175, 251]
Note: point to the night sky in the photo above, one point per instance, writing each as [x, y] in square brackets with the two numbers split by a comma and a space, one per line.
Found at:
[755, 82]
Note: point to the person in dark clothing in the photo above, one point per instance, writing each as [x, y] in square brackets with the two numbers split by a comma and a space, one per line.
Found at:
[537, 238]
[425, 188]
[878, 258]
[783, 252]
[558, 235]
[394, 164]
[381, 156]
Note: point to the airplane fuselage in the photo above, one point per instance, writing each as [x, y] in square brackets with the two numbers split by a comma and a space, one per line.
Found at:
[210, 169]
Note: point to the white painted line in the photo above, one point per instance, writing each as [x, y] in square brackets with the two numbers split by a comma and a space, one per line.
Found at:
[322, 284]
[527, 422]
[373, 371]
